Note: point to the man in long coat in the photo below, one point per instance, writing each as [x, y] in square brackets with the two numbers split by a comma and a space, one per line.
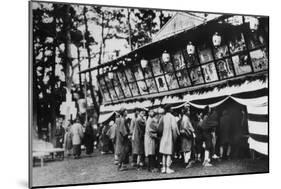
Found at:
[132, 129]
[77, 136]
[209, 124]
[138, 138]
[187, 134]
[225, 134]
[169, 134]
[150, 141]
[59, 133]
[122, 140]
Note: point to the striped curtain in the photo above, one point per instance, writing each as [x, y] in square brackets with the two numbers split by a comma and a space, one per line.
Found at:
[257, 108]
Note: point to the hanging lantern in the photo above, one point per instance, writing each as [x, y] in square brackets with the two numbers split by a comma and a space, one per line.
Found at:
[144, 63]
[216, 39]
[254, 24]
[110, 75]
[190, 48]
[165, 57]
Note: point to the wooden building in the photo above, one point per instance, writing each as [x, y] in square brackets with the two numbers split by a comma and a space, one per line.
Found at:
[215, 62]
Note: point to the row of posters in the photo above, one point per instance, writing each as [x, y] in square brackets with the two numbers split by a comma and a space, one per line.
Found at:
[229, 60]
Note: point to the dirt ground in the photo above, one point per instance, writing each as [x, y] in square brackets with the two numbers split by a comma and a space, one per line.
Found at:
[100, 168]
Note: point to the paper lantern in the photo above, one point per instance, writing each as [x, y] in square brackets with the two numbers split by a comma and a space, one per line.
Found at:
[166, 57]
[254, 24]
[190, 48]
[216, 39]
[144, 63]
[110, 75]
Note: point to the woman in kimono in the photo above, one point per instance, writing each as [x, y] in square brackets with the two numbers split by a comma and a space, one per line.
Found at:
[150, 141]
[122, 140]
[187, 135]
[138, 138]
[169, 135]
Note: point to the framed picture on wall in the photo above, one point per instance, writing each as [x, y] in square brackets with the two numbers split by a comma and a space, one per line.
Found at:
[259, 59]
[241, 64]
[210, 73]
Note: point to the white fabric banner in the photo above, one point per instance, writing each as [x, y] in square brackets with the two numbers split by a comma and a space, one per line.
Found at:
[261, 147]
[260, 128]
[263, 110]
[104, 117]
[260, 101]
[210, 105]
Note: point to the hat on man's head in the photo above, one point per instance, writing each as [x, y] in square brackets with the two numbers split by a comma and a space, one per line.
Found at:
[167, 107]
[122, 110]
[161, 110]
[111, 123]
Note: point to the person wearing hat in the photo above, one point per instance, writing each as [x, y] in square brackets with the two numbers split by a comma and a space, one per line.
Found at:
[169, 134]
[138, 138]
[150, 141]
[77, 136]
[132, 130]
[122, 139]
[89, 137]
[186, 135]
[208, 126]
[112, 136]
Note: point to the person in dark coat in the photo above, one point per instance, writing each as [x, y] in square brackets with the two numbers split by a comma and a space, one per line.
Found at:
[199, 150]
[89, 138]
[132, 129]
[105, 139]
[68, 141]
[208, 126]
[59, 134]
[225, 134]
[186, 136]
[122, 140]
[138, 138]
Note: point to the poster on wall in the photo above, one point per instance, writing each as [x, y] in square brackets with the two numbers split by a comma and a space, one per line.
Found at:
[242, 64]
[196, 76]
[157, 70]
[221, 52]
[237, 43]
[178, 60]
[173, 66]
[225, 68]
[210, 73]
[183, 78]
[161, 83]
[259, 60]
[205, 54]
[151, 85]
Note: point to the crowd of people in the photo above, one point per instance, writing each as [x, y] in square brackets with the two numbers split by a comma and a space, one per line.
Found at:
[153, 139]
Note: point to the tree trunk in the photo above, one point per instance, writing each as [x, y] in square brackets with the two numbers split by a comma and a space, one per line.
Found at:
[79, 68]
[130, 30]
[68, 61]
[96, 106]
[102, 40]
[52, 80]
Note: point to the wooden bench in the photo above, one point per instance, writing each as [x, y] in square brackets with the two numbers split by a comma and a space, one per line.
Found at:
[44, 153]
